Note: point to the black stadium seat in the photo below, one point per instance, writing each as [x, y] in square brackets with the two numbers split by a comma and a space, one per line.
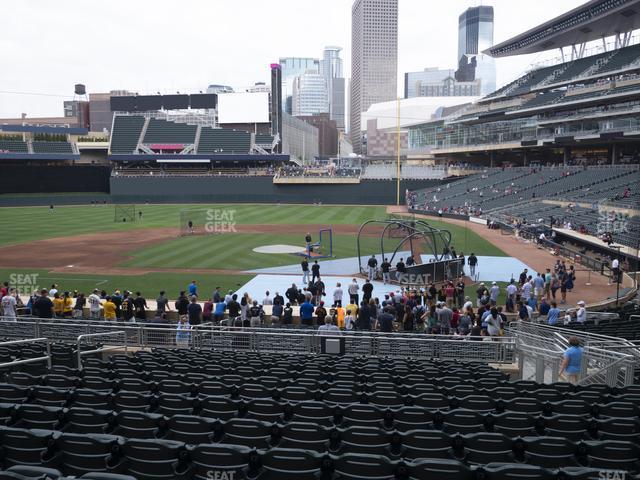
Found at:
[157, 459]
[250, 433]
[98, 399]
[305, 436]
[86, 420]
[84, 454]
[10, 393]
[426, 444]
[28, 447]
[39, 416]
[233, 460]
[172, 429]
[171, 404]
[190, 429]
[358, 466]
[135, 424]
[432, 468]
[284, 464]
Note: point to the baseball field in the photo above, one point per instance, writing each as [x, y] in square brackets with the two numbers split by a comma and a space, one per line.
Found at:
[86, 247]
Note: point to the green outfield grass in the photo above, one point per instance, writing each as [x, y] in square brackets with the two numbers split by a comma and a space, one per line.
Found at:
[232, 251]
[149, 284]
[23, 224]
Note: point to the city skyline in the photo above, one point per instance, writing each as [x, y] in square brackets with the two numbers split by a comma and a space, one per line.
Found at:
[208, 48]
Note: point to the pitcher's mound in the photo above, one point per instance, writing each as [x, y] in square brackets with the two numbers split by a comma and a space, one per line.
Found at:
[278, 249]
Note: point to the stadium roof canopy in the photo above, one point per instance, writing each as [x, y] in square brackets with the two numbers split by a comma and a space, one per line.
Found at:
[592, 21]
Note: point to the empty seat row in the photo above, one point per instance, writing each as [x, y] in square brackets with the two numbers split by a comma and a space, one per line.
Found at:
[60, 390]
[26, 472]
[132, 414]
[457, 457]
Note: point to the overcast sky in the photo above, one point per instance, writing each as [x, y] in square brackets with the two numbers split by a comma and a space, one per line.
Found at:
[168, 46]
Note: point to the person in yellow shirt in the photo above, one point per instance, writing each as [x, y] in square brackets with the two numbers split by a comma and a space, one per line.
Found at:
[109, 310]
[354, 309]
[340, 313]
[67, 308]
[58, 305]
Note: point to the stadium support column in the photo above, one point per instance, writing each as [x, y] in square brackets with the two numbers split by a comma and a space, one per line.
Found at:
[566, 155]
[614, 153]
[276, 103]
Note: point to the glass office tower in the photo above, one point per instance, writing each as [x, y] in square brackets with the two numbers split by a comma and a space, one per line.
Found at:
[475, 34]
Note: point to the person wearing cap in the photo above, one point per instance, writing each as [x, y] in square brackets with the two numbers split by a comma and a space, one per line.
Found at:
[228, 297]
[493, 294]
[255, 314]
[572, 360]
[128, 310]
[94, 305]
[372, 264]
[117, 299]
[321, 313]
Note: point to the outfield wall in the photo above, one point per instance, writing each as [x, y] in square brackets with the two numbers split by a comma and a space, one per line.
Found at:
[256, 190]
[44, 179]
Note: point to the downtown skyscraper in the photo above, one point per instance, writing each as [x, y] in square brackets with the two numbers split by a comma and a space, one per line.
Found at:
[374, 59]
[331, 66]
[475, 34]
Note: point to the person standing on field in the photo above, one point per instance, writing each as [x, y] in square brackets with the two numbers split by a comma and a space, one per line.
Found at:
[307, 241]
[354, 297]
[337, 295]
[305, 271]
[372, 264]
[385, 266]
[315, 271]
[472, 261]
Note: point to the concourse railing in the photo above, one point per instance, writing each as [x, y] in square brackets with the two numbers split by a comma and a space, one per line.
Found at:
[120, 338]
[609, 360]
[497, 350]
[29, 341]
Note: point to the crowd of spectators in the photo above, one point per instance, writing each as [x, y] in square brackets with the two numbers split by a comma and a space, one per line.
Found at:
[446, 308]
[316, 169]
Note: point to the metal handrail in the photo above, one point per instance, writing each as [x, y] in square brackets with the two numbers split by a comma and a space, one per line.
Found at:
[46, 358]
[101, 349]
